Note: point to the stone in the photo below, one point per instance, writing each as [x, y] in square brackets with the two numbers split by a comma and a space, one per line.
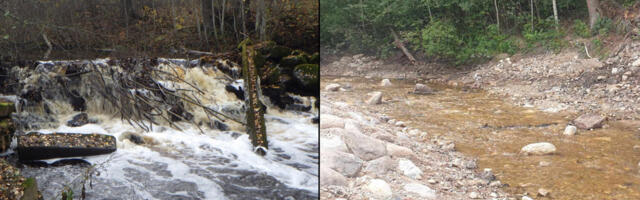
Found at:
[495, 184]
[329, 176]
[399, 151]
[333, 143]
[526, 198]
[78, 120]
[409, 169]
[615, 70]
[422, 89]
[487, 174]
[544, 163]
[540, 148]
[474, 195]
[376, 98]
[421, 190]
[636, 63]
[543, 192]
[589, 121]
[379, 189]
[363, 146]
[332, 87]
[570, 130]
[344, 163]
[379, 166]
[331, 121]
[385, 83]
[400, 124]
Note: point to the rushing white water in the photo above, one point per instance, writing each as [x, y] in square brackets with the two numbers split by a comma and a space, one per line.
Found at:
[190, 163]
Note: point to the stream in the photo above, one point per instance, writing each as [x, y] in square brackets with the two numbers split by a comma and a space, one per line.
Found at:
[594, 164]
[176, 161]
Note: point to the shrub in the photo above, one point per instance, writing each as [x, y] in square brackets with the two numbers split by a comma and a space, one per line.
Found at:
[581, 29]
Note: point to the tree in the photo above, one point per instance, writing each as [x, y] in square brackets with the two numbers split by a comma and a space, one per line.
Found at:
[555, 12]
[594, 11]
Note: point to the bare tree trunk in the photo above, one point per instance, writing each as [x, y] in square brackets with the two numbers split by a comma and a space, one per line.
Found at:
[594, 9]
[213, 21]
[495, 3]
[531, 15]
[399, 44]
[222, 11]
[555, 12]
[244, 18]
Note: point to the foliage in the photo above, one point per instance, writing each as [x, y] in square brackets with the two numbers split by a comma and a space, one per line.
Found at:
[581, 29]
[603, 26]
[543, 34]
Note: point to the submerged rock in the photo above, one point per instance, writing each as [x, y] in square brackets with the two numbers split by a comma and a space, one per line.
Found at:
[37, 146]
[589, 121]
[78, 120]
[540, 148]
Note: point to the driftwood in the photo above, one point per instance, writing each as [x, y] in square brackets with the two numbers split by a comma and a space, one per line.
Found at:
[400, 45]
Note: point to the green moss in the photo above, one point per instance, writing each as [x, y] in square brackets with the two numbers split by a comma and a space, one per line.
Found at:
[315, 58]
[279, 52]
[292, 61]
[308, 75]
[6, 108]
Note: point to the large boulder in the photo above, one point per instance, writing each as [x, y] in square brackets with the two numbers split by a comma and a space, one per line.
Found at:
[329, 176]
[331, 121]
[344, 163]
[540, 148]
[307, 76]
[589, 121]
[37, 146]
[379, 166]
[365, 147]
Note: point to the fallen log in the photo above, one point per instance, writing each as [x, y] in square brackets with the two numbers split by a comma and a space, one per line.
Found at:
[400, 45]
[255, 123]
[38, 146]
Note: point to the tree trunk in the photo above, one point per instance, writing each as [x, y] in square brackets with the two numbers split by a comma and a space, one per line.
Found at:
[555, 12]
[495, 3]
[532, 28]
[594, 12]
[399, 44]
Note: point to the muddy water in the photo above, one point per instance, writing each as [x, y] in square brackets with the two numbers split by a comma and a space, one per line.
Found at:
[599, 164]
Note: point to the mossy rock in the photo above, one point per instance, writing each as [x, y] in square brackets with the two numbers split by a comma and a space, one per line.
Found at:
[259, 60]
[289, 62]
[7, 128]
[315, 58]
[278, 52]
[6, 108]
[308, 75]
[270, 75]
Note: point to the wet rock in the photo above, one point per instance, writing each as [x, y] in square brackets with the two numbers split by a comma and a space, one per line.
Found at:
[37, 146]
[570, 130]
[540, 148]
[364, 146]
[329, 176]
[14, 185]
[376, 98]
[217, 124]
[379, 166]
[379, 189]
[344, 163]
[307, 75]
[409, 169]
[178, 113]
[315, 120]
[78, 120]
[77, 102]
[331, 121]
[589, 121]
[235, 90]
[332, 87]
[421, 190]
[385, 83]
[422, 89]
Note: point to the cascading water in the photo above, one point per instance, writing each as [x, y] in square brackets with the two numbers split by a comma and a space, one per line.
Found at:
[196, 149]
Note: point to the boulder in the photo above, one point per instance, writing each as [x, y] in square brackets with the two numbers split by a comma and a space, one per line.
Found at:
[409, 169]
[329, 176]
[540, 148]
[333, 143]
[385, 83]
[379, 189]
[363, 146]
[589, 121]
[422, 89]
[331, 121]
[344, 163]
[37, 146]
[399, 151]
[332, 87]
[379, 166]
[423, 191]
[308, 78]
[375, 98]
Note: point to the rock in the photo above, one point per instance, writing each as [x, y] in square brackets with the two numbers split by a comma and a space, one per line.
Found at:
[526, 198]
[495, 184]
[540, 148]
[379, 166]
[236, 90]
[636, 63]
[178, 113]
[409, 169]
[78, 120]
[385, 83]
[133, 137]
[543, 192]
[37, 146]
[77, 102]
[217, 124]
[400, 124]
[6, 108]
[544, 163]
[399, 151]
[363, 146]
[421, 190]
[570, 130]
[332, 87]
[379, 189]
[333, 143]
[615, 70]
[487, 174]
[474, 195]
[329, 176]
[422, 89]
[331, 121]
[344, 163]
[307, 77]
[376, 98]
[589, 121]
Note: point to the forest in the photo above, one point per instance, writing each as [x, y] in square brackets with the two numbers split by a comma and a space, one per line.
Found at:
[465, 31]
